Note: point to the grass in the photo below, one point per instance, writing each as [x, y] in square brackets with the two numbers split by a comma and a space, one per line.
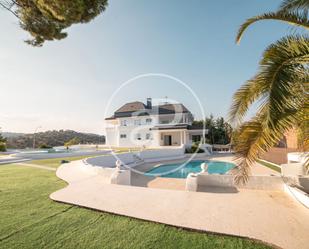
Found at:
[55, 162]
[29, 219]
[270, 165]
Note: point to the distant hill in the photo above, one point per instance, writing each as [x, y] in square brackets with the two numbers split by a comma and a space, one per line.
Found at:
[11, 134]
[50, 138]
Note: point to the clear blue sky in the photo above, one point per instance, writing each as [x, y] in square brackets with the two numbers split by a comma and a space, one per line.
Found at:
[66, 84]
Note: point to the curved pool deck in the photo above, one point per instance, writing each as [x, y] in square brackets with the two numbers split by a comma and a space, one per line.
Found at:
[269, 216]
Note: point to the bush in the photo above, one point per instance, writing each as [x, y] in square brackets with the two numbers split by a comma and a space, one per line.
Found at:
[2, 147]
[194, 149]
[45, 146]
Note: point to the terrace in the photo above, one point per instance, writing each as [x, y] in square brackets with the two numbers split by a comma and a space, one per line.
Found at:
[212, 208]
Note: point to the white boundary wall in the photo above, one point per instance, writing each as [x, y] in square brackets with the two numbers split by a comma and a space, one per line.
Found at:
[293, 169]
[46, 155]
[109, 161]
[299, 157]
[130, 159]
[227, 181]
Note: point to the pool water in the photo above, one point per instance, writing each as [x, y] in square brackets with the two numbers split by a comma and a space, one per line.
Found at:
[170, 170]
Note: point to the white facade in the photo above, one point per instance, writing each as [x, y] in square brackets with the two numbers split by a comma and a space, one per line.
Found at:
[151, 130]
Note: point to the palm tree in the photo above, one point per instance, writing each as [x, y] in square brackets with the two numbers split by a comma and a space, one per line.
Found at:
[281, 88]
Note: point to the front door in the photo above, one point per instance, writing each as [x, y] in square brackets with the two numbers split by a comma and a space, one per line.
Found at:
[167, 140]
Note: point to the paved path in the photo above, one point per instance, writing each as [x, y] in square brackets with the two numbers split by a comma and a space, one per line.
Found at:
[270, 216]
[10, 160]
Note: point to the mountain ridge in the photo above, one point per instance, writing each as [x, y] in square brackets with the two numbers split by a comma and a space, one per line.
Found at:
[50, 138]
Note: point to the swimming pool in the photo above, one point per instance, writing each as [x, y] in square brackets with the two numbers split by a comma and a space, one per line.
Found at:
[170, 170]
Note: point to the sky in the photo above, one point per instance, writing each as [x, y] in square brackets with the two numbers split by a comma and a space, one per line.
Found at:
[69, 84]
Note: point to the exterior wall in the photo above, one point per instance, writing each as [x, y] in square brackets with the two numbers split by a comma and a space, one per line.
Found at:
[277, 155]
[126, 131]
[123, 132]
[291, 139]
[112, 136]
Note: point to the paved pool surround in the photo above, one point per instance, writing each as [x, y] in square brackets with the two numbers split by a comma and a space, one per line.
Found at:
[267, 215]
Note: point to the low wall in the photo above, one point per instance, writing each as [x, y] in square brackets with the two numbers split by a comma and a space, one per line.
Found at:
[299, 195]
[129, 158]
[254, 182]
[298, 157]
[110, 160]
[149, 154]
[303, 181]
[162, 154]
[58, 155]
[292, 169]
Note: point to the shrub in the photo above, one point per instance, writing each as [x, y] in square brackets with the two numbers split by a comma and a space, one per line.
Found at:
[45, 146]
[194, 149]
[2, 147]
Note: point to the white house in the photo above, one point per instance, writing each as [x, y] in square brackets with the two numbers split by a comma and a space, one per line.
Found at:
[137, 124]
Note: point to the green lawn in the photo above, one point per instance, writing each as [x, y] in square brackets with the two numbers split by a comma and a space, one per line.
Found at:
[29, 219]
[55, 162]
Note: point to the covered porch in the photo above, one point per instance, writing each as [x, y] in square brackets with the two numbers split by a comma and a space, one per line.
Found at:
[172, 137]
[177, 135]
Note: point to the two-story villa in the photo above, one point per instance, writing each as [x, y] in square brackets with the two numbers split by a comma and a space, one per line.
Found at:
[137, 124]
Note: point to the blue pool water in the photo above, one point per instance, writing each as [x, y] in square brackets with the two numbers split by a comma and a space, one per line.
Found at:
[170, 170]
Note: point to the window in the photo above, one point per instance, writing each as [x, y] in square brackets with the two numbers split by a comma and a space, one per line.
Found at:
[123, 135]
[137, 122]
[123, 122]
[196, 138]
[148, 120]
[148, 136]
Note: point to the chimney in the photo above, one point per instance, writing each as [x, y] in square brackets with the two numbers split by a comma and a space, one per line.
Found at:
[149, 103]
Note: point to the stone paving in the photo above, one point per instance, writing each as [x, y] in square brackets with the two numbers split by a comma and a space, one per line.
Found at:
[270, 216]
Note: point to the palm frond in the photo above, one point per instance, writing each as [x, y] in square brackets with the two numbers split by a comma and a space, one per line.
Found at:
[281, 69]
[294, 5]
[253, 90]
[257, 136]
[282, 84]
[297, 19]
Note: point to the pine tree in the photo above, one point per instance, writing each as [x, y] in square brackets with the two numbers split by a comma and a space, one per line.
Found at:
[46, 20]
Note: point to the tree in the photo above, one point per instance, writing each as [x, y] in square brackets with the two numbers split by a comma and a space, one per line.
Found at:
[71, 142]
[2, 143]
[219, 131]
[280, 86]
[45, 20]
